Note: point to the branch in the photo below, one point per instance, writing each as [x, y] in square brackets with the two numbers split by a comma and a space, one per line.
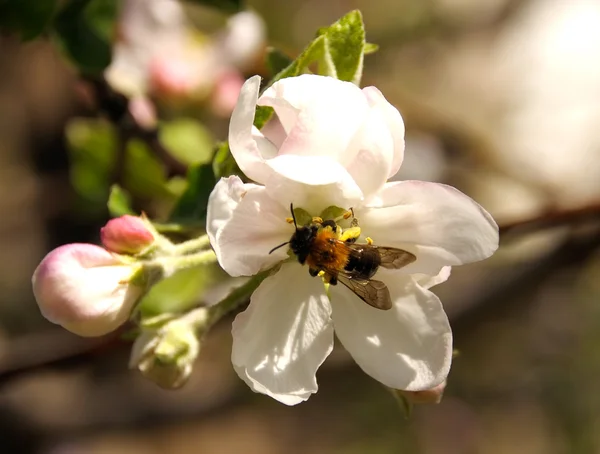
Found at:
[555, 218]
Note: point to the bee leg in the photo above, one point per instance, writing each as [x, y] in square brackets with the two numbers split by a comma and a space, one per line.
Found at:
[350, 235]
[333, 280]
[313, 272]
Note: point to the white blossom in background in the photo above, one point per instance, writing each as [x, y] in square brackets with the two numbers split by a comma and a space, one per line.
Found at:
[336, 145]
[548, 61]
[85, 289]
[158, 52]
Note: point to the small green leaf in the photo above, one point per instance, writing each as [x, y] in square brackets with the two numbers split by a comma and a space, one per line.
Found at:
[192, 205]
[92, 149]
[224, 164]
[276, 60]
[345, 44]
[143, 173]
[83, 30]
[119, 202]
[228, 6]
[370, 48]
[179, 292]
[187, 140]
[28, 18]
[338, 49]
[312, 53]
[262, 115]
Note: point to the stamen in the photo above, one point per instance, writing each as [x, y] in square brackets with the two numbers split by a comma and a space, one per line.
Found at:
[289, 220]
[369, 240]
[317, 220]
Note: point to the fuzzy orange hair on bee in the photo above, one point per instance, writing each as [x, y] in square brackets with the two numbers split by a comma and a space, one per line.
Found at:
[336, 257]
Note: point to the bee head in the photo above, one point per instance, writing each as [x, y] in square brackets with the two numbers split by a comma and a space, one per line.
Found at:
[301, 240]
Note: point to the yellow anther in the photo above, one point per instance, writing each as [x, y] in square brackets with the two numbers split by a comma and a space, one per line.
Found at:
[289, 220]
[317, 220]
[369, 240]
[349, 214]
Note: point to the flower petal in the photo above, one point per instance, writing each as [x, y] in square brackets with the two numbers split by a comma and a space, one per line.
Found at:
[224, 198]
[255, 225]
[320, 114]
[311, 182]
[394, 123]
[283, 337]
[437, 223]
[408, 347]
[246, 142]
[371, 165]
[427, 281]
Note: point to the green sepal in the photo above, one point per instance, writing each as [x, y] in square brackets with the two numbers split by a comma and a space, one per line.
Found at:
[332, 212]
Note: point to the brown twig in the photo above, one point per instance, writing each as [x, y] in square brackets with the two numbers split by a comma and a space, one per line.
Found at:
[554, 218]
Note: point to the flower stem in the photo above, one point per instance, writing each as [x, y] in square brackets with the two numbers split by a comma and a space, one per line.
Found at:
[194, 245]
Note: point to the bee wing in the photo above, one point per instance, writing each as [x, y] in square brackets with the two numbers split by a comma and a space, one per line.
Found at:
[374, 293]
[393, 259]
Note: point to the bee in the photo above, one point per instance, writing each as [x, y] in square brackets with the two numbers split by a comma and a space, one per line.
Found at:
[337, 257]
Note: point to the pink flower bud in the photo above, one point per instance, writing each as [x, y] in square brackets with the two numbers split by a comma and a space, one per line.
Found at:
[126, 235]
[226, 92]
[85, 289]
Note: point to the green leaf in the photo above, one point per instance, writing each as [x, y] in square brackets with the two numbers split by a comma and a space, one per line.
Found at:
[345, 44]
[338, 49]
[276, 60]
[92, 149]
[187, 140]
[119, 202]
[262, 115]
[83, 30]
[192, 205]
[143, 173]
[228, 6]
[28, 18]
[224, 164]
[370, 48]
[179, 292]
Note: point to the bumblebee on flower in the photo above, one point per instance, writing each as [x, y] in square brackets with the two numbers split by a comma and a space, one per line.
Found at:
[333, 146]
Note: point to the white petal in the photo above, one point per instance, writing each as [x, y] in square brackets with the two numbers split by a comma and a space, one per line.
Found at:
[248, 146]
[320, 114]
[311, 182]
[223, 199]
[394, 123]
[427, 281]
[257, 225]
[408, 347]
[371, 165]
[283, 337]
[438, 223]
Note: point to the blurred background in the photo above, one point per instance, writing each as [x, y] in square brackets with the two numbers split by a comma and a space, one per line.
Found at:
[501, 98]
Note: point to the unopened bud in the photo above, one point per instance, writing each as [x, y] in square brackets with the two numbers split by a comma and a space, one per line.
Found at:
[85, 289]
[126, 235]
[167, 355]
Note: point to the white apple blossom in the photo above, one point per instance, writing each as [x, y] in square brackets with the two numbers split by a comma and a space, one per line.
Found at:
[336, 146]
[158, 51]
[85, 289]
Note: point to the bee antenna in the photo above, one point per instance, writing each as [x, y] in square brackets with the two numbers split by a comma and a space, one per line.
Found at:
[293, 215]
[277, 247]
